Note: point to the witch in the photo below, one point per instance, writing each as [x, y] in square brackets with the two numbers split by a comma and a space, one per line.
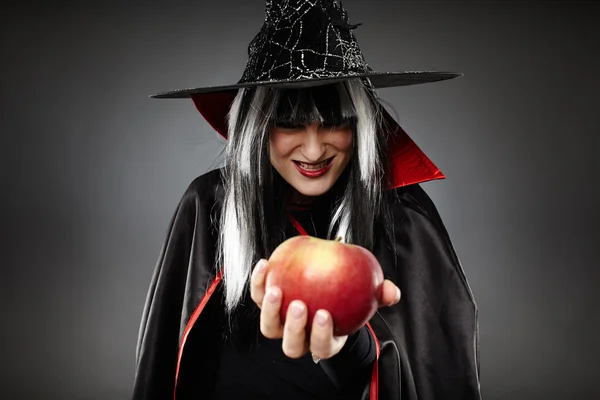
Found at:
[310, 150]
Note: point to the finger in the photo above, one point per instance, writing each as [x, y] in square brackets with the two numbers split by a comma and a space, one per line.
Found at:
[294, 331]
[257, 282]
[390, 294]
[321, 336]
[322, 342]
[270, 322]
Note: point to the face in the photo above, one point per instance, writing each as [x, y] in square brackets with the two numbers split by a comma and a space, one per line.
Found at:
[310, 157]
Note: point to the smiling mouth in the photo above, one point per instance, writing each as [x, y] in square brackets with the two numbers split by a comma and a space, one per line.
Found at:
[314, 167]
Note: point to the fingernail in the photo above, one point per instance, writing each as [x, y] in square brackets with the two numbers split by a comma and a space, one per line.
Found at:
[322, 318]
[297, 309]
[272, 295]
[262, 265]
[398, 294]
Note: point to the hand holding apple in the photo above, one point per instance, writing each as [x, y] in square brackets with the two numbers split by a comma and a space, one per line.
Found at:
[296, 342]
[287, 310]
[344, 279]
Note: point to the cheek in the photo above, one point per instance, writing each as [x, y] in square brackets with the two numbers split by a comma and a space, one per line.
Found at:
[280, 147]
[343, 141]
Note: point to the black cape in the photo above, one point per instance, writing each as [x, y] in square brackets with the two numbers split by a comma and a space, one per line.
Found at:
[428, 343]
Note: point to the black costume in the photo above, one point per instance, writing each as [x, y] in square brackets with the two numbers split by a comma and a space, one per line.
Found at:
[428, 341]
[426, 345]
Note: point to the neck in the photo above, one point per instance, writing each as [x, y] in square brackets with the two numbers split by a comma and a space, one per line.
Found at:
[298, 199]
[295, 199]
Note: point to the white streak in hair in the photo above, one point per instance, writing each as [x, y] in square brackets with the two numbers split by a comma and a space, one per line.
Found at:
[342, 214]
[246, 135]
[366, 133]
[232, 118]
[236, 249]
[249, 134]
[367, 151]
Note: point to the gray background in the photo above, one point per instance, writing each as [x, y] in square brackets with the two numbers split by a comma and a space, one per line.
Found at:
[92, 170]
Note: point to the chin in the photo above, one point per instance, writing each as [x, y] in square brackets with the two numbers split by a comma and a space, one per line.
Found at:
[313, 189]
[312, 192]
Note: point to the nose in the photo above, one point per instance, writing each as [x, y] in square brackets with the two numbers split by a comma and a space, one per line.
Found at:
[313, 147]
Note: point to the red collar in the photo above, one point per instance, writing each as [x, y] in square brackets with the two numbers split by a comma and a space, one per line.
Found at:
[410, 165]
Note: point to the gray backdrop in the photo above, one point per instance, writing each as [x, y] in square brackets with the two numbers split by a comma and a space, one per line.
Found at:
[92, 170]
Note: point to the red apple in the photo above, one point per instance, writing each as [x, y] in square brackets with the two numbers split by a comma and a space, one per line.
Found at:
[344, 279]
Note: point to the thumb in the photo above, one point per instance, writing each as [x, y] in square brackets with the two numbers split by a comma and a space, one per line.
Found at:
[390, 294]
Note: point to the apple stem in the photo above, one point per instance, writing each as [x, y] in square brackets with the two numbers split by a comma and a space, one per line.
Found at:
[338, 239]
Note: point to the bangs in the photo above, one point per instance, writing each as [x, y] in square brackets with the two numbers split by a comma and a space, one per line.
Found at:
[326, 104]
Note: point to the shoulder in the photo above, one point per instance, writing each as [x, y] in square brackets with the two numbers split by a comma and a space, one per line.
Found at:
[205, 190]
[412, 204]
[207, 185]
[414, 199]
[200, 202]
[423, 251]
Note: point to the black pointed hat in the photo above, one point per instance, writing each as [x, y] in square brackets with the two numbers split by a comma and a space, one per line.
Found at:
[307, 43]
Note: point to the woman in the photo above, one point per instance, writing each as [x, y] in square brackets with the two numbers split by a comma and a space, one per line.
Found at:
[310, 151]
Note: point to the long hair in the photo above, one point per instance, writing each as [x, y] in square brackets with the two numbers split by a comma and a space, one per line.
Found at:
[253, 221]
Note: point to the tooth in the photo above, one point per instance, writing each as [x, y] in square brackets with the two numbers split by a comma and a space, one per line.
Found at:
[313, 166]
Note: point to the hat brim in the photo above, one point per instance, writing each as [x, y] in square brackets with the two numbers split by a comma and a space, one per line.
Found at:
[378, 79]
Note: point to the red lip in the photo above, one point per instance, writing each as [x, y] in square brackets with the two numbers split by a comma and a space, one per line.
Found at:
[316, 172]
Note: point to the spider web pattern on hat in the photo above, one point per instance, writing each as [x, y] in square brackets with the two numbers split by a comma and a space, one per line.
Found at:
[304, 39]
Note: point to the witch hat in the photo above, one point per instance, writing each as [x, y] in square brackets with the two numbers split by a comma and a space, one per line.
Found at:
[306, 43]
